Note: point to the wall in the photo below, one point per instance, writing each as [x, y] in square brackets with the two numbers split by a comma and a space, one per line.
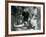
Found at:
[2, 18]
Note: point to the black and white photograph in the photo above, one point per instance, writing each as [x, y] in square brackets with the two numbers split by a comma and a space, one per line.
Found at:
[25, 18]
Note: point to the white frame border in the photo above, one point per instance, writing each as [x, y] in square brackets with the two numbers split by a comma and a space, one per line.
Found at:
[23, 32]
